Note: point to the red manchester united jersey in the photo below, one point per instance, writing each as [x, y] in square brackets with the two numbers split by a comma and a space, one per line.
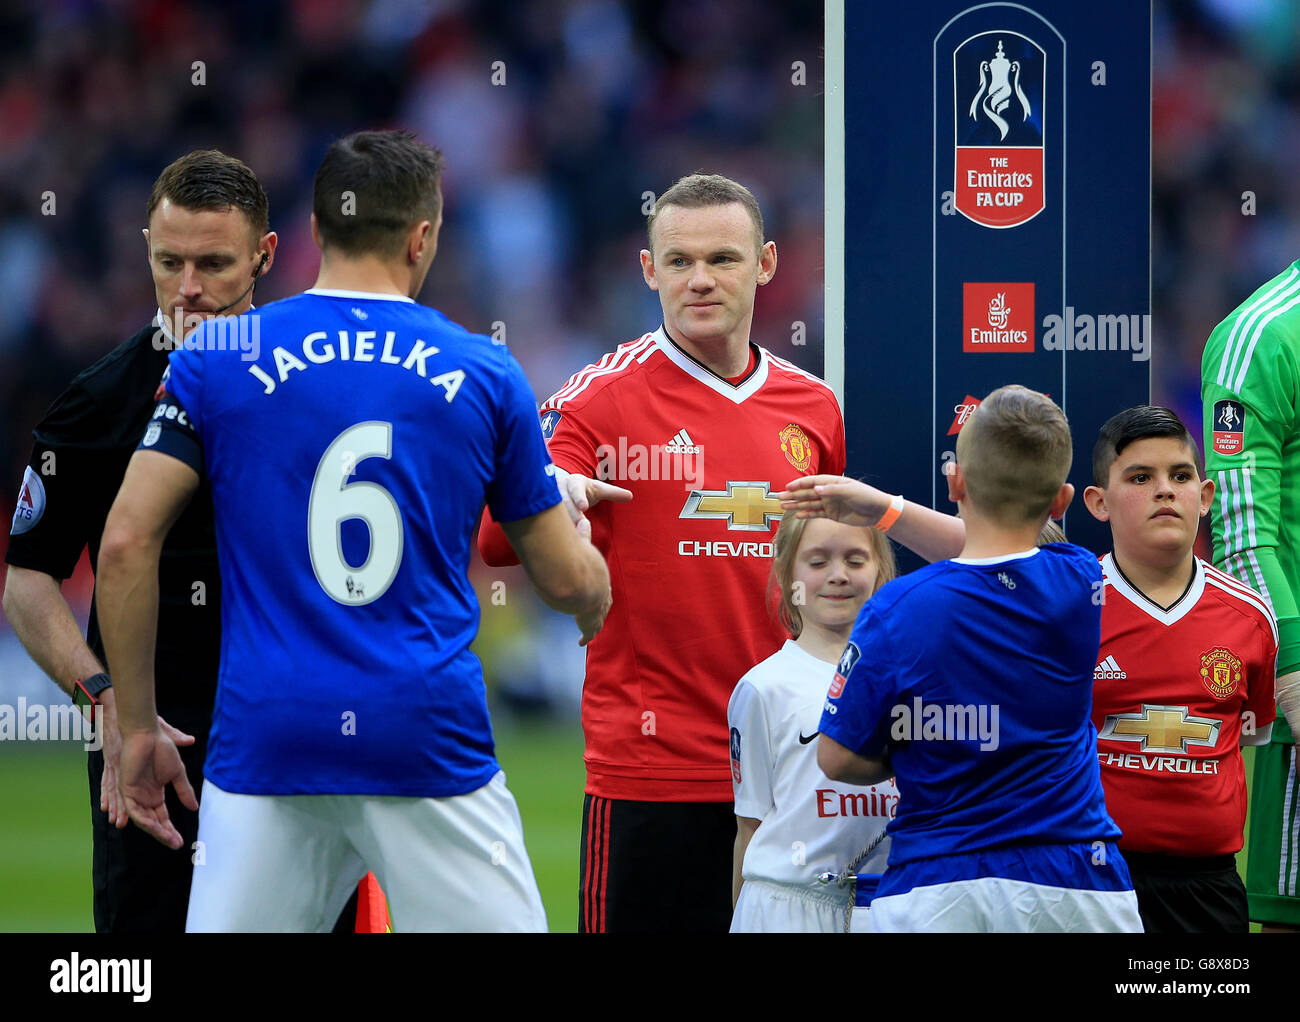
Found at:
[689, 555]
[1171, 693]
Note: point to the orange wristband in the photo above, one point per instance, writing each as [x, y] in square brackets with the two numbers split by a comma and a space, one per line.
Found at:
[891, 514]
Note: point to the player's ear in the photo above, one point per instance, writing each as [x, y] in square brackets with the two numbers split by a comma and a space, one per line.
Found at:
[1063, 498]
[767, 262]
[267, 248]
[956, 482]
[1094, 498]
[421, 243]
[648, 270]
[315, 232]
[148, 249]
[1207, 496]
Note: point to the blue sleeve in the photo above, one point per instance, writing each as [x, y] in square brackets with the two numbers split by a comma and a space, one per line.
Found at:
[182, 380]
[523, 482]
[857, 712]
[171, 432]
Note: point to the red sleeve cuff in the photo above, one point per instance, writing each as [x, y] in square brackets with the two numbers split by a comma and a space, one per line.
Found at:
[493, 544]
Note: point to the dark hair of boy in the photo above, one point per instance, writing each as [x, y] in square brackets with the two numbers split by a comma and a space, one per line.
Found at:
[1139, 423]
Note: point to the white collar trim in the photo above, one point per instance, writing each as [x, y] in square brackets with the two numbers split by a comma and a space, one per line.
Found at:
[164, 326]
[691, 368]
[1189, 599]
[1000, 558]
[330, 292]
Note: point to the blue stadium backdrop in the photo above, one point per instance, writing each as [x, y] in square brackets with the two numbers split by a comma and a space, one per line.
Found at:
[990, 167]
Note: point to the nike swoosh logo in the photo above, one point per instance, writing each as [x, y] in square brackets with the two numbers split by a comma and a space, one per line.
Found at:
[805, 741]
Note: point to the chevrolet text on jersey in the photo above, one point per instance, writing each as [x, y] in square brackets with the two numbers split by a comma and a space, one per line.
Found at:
[722, 548]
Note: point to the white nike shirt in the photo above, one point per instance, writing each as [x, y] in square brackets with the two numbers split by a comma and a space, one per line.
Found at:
[811, 824]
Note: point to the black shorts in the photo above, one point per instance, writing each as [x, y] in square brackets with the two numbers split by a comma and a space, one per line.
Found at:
[655, 867]
[1178, 895]
[141, 885]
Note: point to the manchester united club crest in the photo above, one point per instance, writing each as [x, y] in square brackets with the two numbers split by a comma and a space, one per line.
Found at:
[797, 447]
[998, 84]
[1221, 671]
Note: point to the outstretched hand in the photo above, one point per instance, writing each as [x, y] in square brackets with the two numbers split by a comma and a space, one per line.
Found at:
[838, 498]
[150, 762]
[110, 799]
[582, 493]
[591, 623]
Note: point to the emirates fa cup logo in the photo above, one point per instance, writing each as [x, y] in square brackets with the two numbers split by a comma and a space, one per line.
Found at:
[998, 171]
[998, 78]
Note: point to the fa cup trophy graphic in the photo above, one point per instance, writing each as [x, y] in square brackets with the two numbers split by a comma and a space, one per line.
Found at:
[995, 89]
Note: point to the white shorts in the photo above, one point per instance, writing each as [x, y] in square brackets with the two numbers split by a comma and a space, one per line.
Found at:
[765, 907]
[1000, 905]
[288, 863]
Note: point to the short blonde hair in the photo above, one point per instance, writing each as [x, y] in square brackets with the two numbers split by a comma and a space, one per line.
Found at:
[696, 191]
[1015, 453]
[1051, 532]
[785, 547]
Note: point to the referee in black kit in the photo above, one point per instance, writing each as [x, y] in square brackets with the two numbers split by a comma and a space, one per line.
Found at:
[208, 243]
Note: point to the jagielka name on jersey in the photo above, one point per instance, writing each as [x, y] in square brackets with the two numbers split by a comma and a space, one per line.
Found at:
[689, 555]
[318, 348]
[349, 463]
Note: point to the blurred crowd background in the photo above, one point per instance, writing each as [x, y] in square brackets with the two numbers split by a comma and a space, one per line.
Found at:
[557, 118]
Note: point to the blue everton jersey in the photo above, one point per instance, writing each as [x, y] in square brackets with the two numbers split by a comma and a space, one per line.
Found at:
[351, 440]
[975, 679]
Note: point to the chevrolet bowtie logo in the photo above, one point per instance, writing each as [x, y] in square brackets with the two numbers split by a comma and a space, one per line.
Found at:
[1162, 729]
[746, 506]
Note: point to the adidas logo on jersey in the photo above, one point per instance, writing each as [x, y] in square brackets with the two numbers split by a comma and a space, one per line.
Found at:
[682, 444]
[1108, 669]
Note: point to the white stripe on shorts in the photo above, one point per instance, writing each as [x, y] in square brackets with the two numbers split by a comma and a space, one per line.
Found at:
[1000, 905]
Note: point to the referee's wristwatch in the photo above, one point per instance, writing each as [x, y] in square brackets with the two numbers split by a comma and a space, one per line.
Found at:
[85, 694]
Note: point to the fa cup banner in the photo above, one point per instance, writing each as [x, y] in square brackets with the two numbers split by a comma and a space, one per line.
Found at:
[999, 132]
[998, 233]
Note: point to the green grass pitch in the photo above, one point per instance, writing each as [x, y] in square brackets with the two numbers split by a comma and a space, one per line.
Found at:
[45, 826]
[45, 830]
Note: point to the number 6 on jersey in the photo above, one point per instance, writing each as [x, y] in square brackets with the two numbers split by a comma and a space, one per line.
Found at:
[334, 500]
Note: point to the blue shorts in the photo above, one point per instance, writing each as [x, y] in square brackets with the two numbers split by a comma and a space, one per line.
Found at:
[866, 889]
[1081, 887]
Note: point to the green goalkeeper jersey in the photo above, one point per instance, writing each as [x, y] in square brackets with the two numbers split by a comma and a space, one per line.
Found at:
[1250, 390]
